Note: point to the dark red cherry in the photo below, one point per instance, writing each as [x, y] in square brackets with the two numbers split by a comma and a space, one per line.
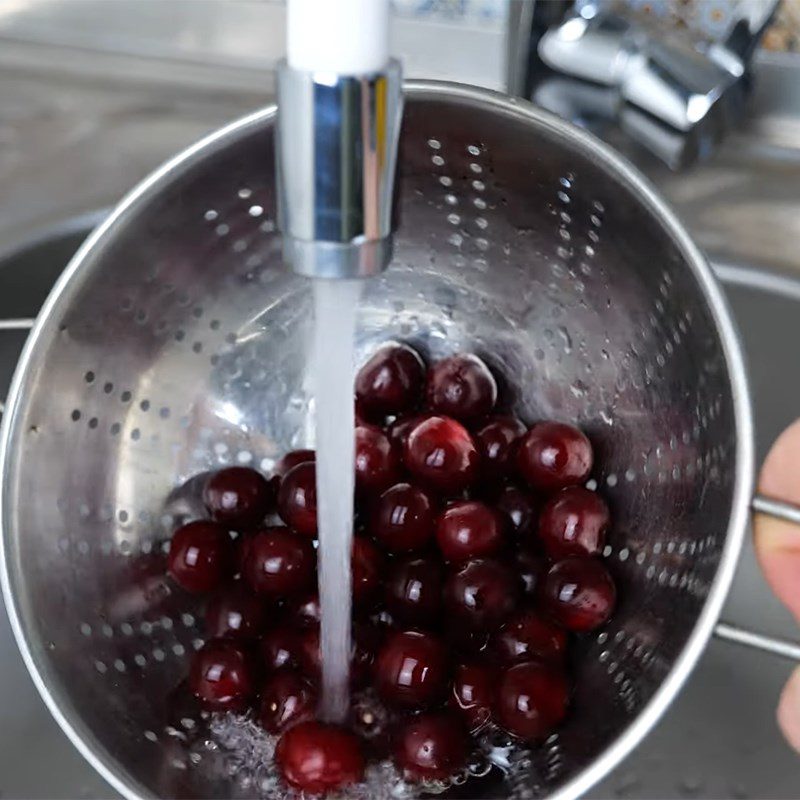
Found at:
[400, 429]
[411, 669]
[390, 382]
[461, 387]
[431, 746]
[531, 569]
[279, 563]
[496, 442]
[579, 594]
[237, 613]
[574, 522]
[286, 699]
[402, 518]
[521, 511]
[377, 462]
[414, 591]
[292, 459]
[297, 498]
[552, 456]
[528, 636]
[481, 595]
[238, 497]
[200, 556]
[280, 647]
[221, 676]
[316, 757]
[304, 610]
[367, 570]
[364, 645]
[441, 454]
[469, 529]
[531, 700]
[472, 693]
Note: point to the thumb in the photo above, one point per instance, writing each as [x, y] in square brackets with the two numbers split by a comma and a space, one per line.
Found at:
[777, 545]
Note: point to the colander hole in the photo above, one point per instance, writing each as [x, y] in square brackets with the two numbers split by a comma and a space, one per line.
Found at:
[255, 211]
[83, 511]
[178, 764]
[451, 199]
[630, 475]
[187, 620]
[437, 160]
[476, 168]
[89, 377]
[473, 150]
[105, 548]
[244, 456]
[641, 557]
[83, 547]
[482, 244]
[76, 415]
[164, 412]
[136, 434]
[140, 661]
[197, 643]
[125, 397]
[124, 547]
[151, 736]
[126, 629]
[623, 554]
[85, 629]
[197, 347]
[602, 637]
[159, 654]
[591, 484]
[607, 551]
[445, 180]
[178, 649]
[239, 246]
[210, 215]
[611, 480]
[189, 724]
[482, 223]
[222, 229]
[478, 185]
[141, 317]
[651, 570]
[119, 665]
[122, 516]
[268, 226]
[604, 656]
[245, 193]
[100, 667]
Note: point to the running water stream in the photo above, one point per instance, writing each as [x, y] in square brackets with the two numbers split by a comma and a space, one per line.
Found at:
[335, 306]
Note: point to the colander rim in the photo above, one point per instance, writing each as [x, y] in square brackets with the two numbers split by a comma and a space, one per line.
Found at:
[62, 709]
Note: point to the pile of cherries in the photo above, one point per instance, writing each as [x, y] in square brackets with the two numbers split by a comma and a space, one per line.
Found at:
[476, 555]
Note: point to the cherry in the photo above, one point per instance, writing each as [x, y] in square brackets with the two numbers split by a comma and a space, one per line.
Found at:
[520, 509]
[363, 646]
[431, 746]
[316, 757]
[402, 427]
[390, 382]
[481, 594]
[286, 699]
[238, 496]
[377, 462]
[305, 609]
[221, 676]
[496, 442]
[531, 700]
[200, 556]
[402, 518]
[531, 569]
[469, 529]
[297, 498]
[441, 453]
[579, 593]
[279, 563]
[461, 387]
[552, 456]
[280, 647]
[472, 693]
[411, 669]
[414, 591]
[574, 522]
[292, 459]
[236, 613]
[527, 636]
[367, 570]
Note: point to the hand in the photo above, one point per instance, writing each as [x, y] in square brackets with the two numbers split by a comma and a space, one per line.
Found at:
[778, 548]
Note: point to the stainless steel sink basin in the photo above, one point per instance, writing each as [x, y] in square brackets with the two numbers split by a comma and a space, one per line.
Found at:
[718, 740]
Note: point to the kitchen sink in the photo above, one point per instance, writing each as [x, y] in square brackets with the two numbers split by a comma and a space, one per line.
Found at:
[719, 739]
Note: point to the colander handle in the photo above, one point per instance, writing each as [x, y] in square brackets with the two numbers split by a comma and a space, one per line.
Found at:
[758, 641]
[22, 324]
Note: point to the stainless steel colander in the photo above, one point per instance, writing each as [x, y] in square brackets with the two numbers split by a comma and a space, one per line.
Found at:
[175, 342]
